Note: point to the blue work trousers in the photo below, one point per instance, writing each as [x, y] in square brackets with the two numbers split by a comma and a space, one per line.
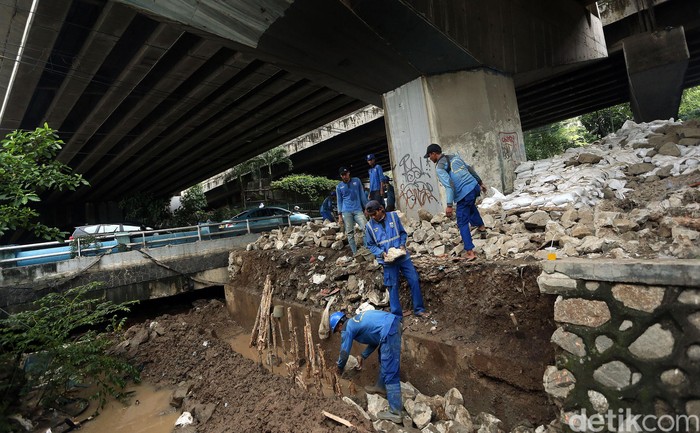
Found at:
[389, 363]
[392, 271]
[468, 213]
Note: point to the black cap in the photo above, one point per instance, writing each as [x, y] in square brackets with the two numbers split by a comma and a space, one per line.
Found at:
[432, 148]
[373, 206]
[342, 170]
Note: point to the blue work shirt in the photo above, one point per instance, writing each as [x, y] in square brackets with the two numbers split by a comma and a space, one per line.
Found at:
[370, 327]
[351, 196]
[376, 174]
[380, 236]
[456, 176]
[327, 205]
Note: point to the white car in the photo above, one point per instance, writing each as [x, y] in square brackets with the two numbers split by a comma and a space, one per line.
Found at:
[107, 229]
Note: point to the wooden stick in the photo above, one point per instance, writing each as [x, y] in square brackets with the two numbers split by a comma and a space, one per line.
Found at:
[337, 387]
[322, 357]
[337, 419]
[279, 327]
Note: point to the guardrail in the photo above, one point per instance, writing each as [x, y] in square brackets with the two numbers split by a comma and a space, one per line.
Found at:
[55, 251]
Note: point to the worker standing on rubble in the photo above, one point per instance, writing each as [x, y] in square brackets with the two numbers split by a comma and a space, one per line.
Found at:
[351, 204]
[383, 232]
[378, 330]
[463, 186]
[376, 178]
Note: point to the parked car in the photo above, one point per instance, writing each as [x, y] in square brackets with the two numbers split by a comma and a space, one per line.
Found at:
[107, 229]
[264, 218]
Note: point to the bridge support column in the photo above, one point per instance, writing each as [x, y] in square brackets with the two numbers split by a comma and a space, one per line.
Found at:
[656, 65]
[472, 113]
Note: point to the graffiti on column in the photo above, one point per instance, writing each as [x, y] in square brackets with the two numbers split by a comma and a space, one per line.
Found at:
[510, 145]
[415, 189]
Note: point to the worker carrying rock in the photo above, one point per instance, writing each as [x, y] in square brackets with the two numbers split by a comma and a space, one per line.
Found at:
[378, 330]
[385, 237]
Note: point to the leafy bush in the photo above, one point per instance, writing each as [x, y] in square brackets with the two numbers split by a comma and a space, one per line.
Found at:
[312, 187]
[600, 123]
[690, 104]
[58, 346]
[28, 168]
[547, 141]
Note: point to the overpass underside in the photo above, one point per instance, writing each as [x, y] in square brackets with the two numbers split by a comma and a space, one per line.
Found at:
[154, 96]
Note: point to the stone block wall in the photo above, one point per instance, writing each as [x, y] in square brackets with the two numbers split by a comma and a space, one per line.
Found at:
[627, 341]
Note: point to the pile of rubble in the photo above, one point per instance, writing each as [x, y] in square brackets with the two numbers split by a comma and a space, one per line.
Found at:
[436, 414]
[613, 198]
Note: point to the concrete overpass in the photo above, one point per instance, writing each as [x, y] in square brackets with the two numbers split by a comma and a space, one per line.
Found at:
[154, 96]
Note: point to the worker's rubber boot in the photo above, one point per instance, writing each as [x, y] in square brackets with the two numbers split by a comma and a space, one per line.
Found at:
[388, 415]
[393, 394]
[375, 389]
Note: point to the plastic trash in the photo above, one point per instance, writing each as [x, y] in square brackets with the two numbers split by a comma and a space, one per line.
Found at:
[184, 419]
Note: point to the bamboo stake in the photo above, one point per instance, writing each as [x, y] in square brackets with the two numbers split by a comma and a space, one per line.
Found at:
[279, 326]
[322, 358]
[337, 388]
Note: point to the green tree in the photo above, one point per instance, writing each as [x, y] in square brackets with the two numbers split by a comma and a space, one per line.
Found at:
[690, 104]
[549, 140]
[146, 209]
[600, 123]
[59, 345]
[193, 205]
[27, 169]
[275, 156]
[313, 187]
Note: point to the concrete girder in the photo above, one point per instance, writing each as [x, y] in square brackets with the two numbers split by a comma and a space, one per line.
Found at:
[245, 80]
[160, 82]
[110, 26]
[38, 48]
[252, 128]
[225, 65]
[162, 38]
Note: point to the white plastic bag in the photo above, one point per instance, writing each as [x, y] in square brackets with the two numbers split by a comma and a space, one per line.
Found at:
[184, 419]
[324, 329]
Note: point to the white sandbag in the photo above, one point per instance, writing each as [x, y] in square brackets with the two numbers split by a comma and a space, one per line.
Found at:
[324, 328]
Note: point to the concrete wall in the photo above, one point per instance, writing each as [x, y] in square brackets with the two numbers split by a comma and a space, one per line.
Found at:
[133, 275]
[628, 340]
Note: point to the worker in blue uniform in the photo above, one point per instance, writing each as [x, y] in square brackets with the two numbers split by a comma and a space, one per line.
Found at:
[378, 330]
[389, 194]
[327, 208]
[351, 204]
[384, 230]
[462, 185]
[376, 179]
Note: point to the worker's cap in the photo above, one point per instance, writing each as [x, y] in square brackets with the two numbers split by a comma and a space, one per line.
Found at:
[432, 148]
[386, 179]
[373, 206]
[370, 157]
[343, 170]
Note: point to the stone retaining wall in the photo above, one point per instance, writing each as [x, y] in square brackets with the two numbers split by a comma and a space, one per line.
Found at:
[627, 341]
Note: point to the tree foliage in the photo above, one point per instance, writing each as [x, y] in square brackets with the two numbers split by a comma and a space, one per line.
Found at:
[192, 209]
[313, 187]
[547, 141]
[27, 169]
[59, 346]
[146, 209]
[690, 104]
[600, 123]
[275, 156]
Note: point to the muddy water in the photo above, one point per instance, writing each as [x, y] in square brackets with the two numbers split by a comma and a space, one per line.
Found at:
[149, 411]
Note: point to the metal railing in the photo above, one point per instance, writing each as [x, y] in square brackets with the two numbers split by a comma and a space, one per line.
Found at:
[49, 252]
